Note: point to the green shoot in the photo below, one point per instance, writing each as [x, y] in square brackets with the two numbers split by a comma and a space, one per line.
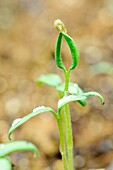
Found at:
[68, 92]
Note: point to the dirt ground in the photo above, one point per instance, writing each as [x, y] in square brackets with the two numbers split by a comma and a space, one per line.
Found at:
[27, 43]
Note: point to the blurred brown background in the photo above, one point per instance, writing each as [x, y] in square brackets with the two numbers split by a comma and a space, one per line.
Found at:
[27, 41]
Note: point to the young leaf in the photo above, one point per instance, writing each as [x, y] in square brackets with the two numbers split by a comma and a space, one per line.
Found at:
[8, 148]
[5, 164]
[59, 25]
[67, 99]
[94, 94]
[49, 79]
[18, 122]
[73, 49]
[58, 58]
[74, 89]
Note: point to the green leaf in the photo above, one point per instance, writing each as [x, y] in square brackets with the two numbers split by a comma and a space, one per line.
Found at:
[74, 89]
[5, 164]
[8, 148]
[49, 79]
[67, 99]
[79, 97]
[102, 68]
[94, 94]
[18, 122]
[58, 58]
[73, 49]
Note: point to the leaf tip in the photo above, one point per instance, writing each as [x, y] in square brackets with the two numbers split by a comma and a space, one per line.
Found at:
[36, 154]
[103, 102]
[9, 135]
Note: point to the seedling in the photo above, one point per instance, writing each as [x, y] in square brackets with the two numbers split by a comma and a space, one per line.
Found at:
[8, 148]
[68, 92]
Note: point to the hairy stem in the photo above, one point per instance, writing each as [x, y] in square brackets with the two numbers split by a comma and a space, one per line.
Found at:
[62, 143]
[69, 138]
[67, 123]
[67, 77]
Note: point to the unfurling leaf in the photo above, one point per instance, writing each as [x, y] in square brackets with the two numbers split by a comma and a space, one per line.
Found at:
[49, 79]
[8, 148]
[5, 164]
[18, 122]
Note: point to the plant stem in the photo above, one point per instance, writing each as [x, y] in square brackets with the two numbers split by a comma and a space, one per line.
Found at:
[67, 124]
[67, 77]
[65, 130]
[69, 138]
[62, 143]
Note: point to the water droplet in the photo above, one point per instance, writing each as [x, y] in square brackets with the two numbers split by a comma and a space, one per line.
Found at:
[16, 121]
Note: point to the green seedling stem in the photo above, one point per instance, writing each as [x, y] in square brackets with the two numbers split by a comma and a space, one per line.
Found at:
[68, 92]
[65, 120]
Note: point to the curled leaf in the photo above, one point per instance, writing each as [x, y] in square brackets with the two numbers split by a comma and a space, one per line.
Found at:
[78, 97]
[18, 122]
[94, 94]
[8, 148]
[49, 79]
[5, 164]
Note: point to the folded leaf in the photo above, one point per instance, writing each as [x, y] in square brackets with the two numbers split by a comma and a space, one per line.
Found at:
[5, 164]
[18, 122]
[94, 94]
[67, 99]
[49, 79]
[73, 49]
[8, 148]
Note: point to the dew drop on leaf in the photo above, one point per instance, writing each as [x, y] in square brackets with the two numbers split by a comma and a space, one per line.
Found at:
[16, 121]
[38, 108]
